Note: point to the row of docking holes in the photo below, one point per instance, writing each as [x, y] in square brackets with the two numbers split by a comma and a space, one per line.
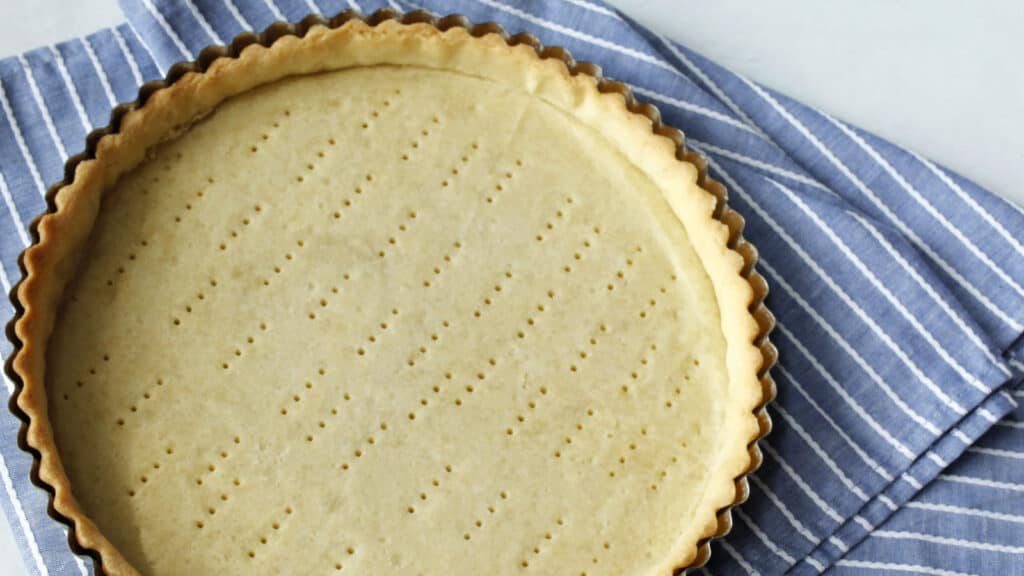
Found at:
[144, 243]
[274, 126]
[189, 205]
[634, 375]
[207, 478]
[200, 295]
[584, 353]
[394, 238]
[497, 504]
[242, 347]
[488, 301]
[375, 114]
[321, 423]
[546, 540]
[481, 375]
[223, 246]
[133, 408]
[169, 452]
[233, 233]
[411, 216]
[289, 256]
[447, 258]
[435, 484]
[369, 178]
[239, 350]
[323, 302]
[383, 326]
[278, 268]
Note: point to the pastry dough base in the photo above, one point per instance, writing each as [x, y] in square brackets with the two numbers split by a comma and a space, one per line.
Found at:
[258, 327]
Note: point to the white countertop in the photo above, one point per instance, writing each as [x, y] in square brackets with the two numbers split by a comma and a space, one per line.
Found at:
[942, 77]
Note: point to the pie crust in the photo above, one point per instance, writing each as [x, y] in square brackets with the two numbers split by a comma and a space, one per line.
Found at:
[392, 296]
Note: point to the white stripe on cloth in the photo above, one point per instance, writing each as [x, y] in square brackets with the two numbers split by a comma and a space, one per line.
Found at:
[965, 511]
[924, 203]
[850, 350]
[817, 449]
[690, 107]
[997, 452]
[26, 527]
[875, 466]
[955, 316]
[312, 7]
[959, 435]
[937, 459]
[893, 567]
[20, 139]
[777, 170]
[43, 110]
[786, 512]
[582, 36]
[839, 544]
[961, 479]
[203, 22]
[850, 401]
[100, 72]
[909, 479]
[866, 272]
[740, 560]
[5, 475]
[845, 170]
[19, 512]
[888, 502]
[6, 282]
[801, 483]
[237, 15]
[354, 5]
[1009, 397]
[754, 163]
[863, 523]
[1009, 424]
[713, 87]
[944, 541]
[275, 10]
[15, 216]
[78, 559]
[132, 64]
[171, 34]
[814, 562]
[970, 201]
[984, 412]
[76, 100]
[760, 535]
[777, 279]
[594, 8]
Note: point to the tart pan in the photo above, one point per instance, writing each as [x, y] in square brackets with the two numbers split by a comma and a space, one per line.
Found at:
[271, 34]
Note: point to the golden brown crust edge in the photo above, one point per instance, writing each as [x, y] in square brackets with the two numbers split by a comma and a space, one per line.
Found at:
[192, 89]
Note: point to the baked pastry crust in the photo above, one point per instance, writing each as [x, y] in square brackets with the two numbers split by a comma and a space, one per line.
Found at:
[62, 234]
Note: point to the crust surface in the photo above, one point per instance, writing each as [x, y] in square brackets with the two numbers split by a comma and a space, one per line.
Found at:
[398, 283]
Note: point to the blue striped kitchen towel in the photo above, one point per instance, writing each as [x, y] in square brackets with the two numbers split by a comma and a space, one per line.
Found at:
[897, 284]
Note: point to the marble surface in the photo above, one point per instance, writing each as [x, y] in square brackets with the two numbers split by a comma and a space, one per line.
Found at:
[942, 77]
